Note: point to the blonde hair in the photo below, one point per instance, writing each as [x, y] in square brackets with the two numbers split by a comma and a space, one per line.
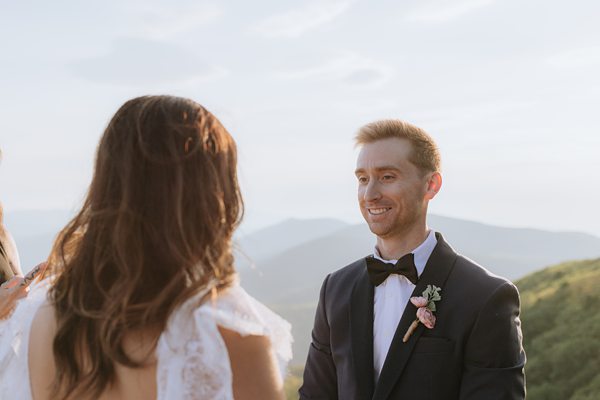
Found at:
[425, 154]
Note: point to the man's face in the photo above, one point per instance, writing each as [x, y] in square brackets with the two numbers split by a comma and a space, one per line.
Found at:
[391, 189]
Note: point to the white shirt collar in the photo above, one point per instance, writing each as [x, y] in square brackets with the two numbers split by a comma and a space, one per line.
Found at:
[421, 252]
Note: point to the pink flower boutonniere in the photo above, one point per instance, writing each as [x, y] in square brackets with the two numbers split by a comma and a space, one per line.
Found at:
[426, 307]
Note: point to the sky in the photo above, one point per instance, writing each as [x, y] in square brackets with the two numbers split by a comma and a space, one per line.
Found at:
[508, 89]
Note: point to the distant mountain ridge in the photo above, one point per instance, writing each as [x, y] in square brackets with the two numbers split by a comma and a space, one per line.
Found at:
[289, 281]
[292, 258]
[262, 244]
[510, 252]
[332, 243]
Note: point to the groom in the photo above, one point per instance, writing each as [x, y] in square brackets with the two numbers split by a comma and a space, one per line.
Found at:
[468, 344]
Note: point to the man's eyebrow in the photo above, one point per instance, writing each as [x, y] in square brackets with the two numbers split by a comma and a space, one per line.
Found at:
[379, 169]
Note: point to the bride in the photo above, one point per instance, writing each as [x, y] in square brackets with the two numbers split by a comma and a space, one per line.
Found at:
[140, 299]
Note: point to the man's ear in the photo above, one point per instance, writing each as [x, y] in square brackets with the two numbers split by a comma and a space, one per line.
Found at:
[434, 184]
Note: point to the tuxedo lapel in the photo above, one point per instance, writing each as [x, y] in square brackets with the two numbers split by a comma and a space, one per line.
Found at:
[361, 326]
[436, 272]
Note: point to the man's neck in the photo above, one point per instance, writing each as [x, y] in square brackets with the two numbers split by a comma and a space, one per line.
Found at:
[394, 247]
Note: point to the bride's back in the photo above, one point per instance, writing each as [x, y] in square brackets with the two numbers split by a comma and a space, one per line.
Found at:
[129, 383]
[233, 351]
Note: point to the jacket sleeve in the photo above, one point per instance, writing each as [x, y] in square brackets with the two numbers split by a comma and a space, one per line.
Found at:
[320, 378]
[494, 357]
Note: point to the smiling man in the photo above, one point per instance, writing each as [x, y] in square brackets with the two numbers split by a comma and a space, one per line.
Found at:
[414, 320]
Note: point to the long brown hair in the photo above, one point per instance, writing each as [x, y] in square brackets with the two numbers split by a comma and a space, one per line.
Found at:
[154, 230]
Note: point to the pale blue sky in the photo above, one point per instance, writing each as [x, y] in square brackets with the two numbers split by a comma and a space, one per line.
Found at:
[509, 89]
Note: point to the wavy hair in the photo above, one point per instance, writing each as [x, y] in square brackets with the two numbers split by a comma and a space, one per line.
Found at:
[155, 229]
[425, 152]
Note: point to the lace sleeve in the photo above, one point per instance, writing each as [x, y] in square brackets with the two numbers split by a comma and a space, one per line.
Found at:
[236, 310]
[193, 362]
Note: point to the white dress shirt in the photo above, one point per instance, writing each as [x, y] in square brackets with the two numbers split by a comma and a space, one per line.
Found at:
[390, 301]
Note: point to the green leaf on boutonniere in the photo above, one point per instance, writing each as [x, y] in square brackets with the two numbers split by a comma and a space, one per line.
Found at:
[431, 305]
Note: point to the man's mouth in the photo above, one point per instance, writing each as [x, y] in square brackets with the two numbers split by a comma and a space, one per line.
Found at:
[378, 211]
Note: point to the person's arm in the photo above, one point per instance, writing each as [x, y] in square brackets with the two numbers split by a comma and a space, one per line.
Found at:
[10, 264]
[40, 355]
[494, 357]
[253, 365]
[10, 292]
[320, 377]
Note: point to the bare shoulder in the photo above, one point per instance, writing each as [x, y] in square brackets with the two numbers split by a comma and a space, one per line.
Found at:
[45, 315]
[255, 372]
[40, 355]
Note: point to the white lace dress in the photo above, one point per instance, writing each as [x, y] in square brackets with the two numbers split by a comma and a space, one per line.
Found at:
[193, 363]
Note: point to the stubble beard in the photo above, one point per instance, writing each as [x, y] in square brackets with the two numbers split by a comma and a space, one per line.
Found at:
[399, 227]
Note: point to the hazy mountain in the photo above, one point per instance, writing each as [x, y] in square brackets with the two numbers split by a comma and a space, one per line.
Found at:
[292, 258]
[295, 275]
[514, 252]
[254, 248]
[290, 281]
[509, 252]
[35, 231]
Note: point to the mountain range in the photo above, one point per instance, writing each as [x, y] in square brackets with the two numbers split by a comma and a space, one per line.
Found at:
[289, 280]
[315, 248]
[283, 265]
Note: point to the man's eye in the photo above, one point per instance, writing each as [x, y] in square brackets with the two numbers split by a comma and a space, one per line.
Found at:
[362, 179]
[387, 177]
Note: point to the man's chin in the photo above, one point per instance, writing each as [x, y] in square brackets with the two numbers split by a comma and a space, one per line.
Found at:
[379, 230]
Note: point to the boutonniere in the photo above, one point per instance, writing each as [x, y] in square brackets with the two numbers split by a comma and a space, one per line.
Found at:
[426, 307]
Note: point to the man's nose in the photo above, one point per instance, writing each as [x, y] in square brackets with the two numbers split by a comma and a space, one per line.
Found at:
[372, 192]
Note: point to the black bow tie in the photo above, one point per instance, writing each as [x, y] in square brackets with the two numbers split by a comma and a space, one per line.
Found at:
[379, 270]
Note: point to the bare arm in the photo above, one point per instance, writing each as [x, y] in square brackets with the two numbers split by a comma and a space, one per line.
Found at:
[41, 358]
[10, 292]
[255, 372]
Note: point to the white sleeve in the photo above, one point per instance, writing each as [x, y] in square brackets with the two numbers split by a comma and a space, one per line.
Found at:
[192, 358]
[14, 344]
[236, 310]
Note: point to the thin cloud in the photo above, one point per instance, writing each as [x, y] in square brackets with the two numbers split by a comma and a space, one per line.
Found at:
[576, 58]
[443, 11]
[350, 69]
[157, 21]
[138, 62]
[296, 22]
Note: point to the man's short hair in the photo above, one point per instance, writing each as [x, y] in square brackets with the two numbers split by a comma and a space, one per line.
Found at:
[425, 155]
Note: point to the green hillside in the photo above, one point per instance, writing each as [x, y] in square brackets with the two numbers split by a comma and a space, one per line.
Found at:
[561, 331]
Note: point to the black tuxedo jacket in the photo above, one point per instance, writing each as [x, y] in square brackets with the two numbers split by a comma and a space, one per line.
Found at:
[473, 352]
